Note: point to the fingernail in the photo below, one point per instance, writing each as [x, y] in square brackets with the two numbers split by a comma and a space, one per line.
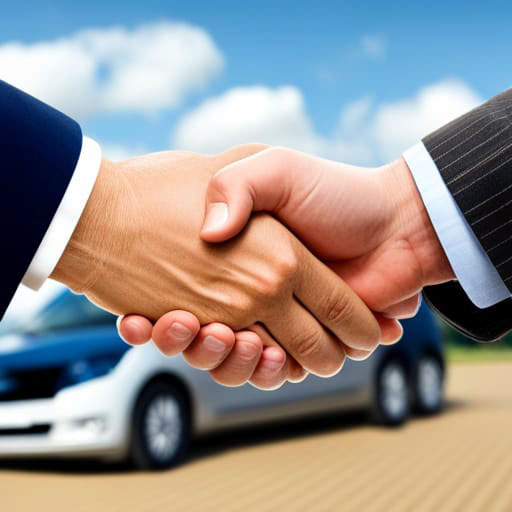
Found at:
[137, 336]
[180, 332]
[216, 216]
[274, 359]
[213, 344]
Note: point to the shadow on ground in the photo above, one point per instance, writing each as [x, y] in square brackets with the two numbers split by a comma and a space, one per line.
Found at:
[219, 443]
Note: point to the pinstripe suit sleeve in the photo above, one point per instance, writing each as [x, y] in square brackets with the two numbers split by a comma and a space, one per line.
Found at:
[474, 156]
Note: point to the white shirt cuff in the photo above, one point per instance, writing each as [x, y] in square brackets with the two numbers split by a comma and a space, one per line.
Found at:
[470, 263]
[66, 217]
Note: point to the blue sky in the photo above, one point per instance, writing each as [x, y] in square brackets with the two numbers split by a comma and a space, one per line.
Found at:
[355, 81]
[314, 46]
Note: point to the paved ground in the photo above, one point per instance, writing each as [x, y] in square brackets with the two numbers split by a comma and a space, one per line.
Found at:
[461, 460]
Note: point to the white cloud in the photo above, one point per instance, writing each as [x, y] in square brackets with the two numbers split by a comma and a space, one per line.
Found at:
[368, 132]
[61, 73]
[143, 70]
[373, 46]
[387, 129]
[247, 114]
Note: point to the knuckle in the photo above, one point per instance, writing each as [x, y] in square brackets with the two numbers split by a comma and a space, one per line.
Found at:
[279, 279]
[339, 308]
[311, 354]
[240, 307]
[248, 351]
[287, 265]
[308, 347]
[236, 311]
[267, 286]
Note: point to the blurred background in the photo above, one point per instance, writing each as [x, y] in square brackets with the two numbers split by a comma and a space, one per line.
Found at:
[81, 414]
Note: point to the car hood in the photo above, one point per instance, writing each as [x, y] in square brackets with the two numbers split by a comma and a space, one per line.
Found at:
[27, 351]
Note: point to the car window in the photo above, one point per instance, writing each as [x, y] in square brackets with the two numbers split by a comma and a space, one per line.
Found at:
[68, 311]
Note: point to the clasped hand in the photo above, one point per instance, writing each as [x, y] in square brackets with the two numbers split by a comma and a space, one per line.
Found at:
[270, 310]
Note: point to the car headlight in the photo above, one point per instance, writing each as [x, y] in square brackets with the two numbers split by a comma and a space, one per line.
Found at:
[83, 370]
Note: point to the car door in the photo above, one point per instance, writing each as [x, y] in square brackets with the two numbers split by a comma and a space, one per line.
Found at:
[353, 376]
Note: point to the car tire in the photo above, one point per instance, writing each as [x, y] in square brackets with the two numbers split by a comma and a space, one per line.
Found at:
[428, 385]
[161, 427]
[392, 394]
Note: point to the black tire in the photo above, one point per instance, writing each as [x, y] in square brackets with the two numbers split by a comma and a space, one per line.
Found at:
[392, 394]
[161, 410]
[429, 385]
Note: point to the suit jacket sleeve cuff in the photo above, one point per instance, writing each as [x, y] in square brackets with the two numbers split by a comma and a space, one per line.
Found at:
[471, 265]
[66, 217]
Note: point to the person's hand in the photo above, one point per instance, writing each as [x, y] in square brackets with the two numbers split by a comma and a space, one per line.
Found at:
[137, 250]
[369, 224]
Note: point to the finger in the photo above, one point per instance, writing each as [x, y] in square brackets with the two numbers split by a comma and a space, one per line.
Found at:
[241, 362]
[296, 373]
[314, 348]
[358, 355]
[274, 366]
[174, 331]
[271, 363]
[335, 304]
[407, 308]
[134, 329]
[210, 347]
[255, 183]
[392, 329]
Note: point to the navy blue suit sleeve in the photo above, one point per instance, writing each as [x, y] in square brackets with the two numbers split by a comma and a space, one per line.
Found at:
[39, 150]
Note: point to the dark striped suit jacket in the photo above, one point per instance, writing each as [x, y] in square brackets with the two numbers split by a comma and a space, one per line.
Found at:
[474, 156]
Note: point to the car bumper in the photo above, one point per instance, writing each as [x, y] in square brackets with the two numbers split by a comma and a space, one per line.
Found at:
[78, 421]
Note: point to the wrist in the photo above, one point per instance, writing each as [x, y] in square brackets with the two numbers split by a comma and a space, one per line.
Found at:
[79, 265]
[411, 221]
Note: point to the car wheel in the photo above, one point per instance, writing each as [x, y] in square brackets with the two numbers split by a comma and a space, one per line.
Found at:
[392, 394]
[429, 391]
[161, 427]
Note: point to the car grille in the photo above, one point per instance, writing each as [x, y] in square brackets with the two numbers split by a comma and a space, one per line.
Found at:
[29, 385]
[34, 430]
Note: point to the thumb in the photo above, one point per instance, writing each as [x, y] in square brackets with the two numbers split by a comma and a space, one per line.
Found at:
[258, 182]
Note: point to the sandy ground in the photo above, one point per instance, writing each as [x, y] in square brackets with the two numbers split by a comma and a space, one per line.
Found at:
[461, 460]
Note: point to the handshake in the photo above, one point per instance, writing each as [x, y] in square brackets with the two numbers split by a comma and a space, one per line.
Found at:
[172, 242]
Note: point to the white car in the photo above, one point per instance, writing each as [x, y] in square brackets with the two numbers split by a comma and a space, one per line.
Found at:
[70, 387]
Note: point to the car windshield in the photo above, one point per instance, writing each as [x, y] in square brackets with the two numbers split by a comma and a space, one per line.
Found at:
[67, 311]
